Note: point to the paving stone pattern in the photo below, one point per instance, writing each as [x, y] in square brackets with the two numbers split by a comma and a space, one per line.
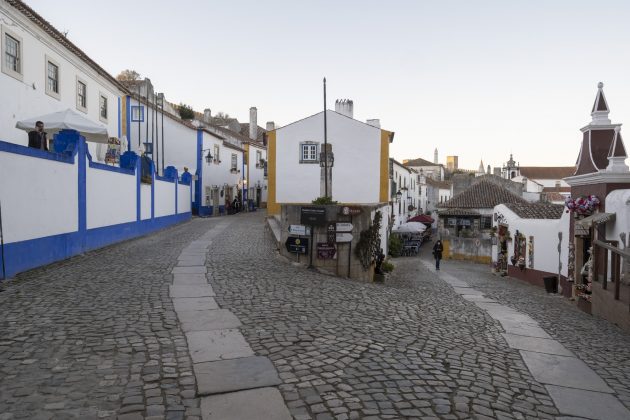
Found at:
[96, 336]
[411, 348]
[598, 343]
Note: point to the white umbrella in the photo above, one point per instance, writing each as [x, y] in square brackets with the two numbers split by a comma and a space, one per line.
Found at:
[68, 120]
[411, 227]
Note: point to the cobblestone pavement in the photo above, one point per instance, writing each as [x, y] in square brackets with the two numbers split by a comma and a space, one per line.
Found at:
[600, 344]
[410, 348]
[96, 336]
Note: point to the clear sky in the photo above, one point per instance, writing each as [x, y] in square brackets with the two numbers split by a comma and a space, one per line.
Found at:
[478, 79]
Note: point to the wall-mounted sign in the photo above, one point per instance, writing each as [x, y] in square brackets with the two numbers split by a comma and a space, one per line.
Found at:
[343, 237]
[326, 251]
[330, 233]
[350, 211]
[297, 245]
[299, 230]
[344, 227]
[313, 216]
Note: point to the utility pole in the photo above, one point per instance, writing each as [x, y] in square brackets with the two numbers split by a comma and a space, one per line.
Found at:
[325, 145]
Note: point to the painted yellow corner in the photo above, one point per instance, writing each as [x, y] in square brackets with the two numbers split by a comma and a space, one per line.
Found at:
[246, 157]
[383, 195]
[273, 208]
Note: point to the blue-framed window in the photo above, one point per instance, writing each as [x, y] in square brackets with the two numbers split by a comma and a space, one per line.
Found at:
[137, 113]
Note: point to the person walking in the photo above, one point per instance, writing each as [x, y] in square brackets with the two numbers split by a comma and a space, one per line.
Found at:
[437, 253]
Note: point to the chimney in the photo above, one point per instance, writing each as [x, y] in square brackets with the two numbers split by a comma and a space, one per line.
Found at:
[253, 124]
[270, 126]
[345, 107]
[207, 116]
[374, 122]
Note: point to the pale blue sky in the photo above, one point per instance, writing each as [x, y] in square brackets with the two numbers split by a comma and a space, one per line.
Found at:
[477, 79]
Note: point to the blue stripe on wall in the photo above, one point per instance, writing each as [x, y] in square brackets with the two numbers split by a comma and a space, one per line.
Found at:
[119, 127]
[199, 171]
[25, 255]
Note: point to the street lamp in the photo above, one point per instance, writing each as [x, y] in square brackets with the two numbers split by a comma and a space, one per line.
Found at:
[208, 156]
[398, 196]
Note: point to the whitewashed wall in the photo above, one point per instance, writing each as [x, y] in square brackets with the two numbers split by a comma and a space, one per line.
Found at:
[37, 200]
[103, 189]
[28, 95]
[618, 202]
[164, 196]
[256, 175]
[356, 171]
[217, 173]
[545, 233]
[145, 201]
[184, 199]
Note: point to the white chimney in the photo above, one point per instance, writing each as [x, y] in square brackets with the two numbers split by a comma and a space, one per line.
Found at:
[207, 116]
[345, 107]
[253, 124]
[374, 122]
[270, 126]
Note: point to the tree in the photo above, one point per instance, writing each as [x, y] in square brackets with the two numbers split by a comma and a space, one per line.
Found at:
[128, 76]
[186, 112]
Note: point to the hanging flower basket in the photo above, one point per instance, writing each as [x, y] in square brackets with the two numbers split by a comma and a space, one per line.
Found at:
[582, 206]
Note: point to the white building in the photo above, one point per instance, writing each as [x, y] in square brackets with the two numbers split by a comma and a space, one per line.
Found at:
[360, 170]
[44, 72]
[403, 192]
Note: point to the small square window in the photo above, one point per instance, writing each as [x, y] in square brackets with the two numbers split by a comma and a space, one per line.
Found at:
[81, 95]
[11, 54]
[137, 113]
[102, 108]
[234, 161]
[217, 160]
[308, 152]
[52, 78]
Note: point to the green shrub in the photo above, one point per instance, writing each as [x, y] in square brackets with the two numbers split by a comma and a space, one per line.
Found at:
[324, 201]
[387, 267]
[395, 246]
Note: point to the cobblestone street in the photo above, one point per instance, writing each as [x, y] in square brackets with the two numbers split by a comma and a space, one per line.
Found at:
[97, 337]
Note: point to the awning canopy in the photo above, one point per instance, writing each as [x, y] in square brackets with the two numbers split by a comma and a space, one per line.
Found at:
[422, 218]
[596, 219]
[410, 227]
[68, 120]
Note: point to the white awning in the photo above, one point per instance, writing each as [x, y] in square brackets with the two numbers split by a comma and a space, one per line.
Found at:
[596, 219]
[68, 119]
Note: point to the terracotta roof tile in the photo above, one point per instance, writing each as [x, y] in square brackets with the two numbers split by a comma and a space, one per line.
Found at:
[537, 210]
[420, 162]
[484, 194]
[458, 212]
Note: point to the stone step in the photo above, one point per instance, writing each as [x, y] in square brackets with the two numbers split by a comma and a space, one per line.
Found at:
[235, 375]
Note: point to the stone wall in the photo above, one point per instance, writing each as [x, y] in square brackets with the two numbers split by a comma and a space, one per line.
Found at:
[469, 249]
[345, 263]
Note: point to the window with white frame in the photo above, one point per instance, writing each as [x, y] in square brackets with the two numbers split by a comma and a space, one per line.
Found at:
[81, 95]
[308, 152]
[102, 106]
[52, 77]
[11, 54]
[216, 154]
[233, 162]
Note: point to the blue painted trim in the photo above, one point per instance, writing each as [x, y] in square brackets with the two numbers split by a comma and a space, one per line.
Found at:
[18, 149]
[104, 167]
[128, 117]
[138, 190]
[205, 210]
[25, 255]
[199, 171]
[184, 182]
[221, 209]
[119, 127]
[141, 112]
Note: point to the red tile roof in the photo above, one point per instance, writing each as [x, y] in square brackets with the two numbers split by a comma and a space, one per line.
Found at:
[547, 172]
[484, 194]
[537, 210]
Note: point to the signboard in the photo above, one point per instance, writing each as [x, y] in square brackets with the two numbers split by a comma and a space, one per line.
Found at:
[344, 237]
[344, 227]
[313, 216]
[297, 245]
[299, 230]
[350, 211]
[330, 233]
[326, 251]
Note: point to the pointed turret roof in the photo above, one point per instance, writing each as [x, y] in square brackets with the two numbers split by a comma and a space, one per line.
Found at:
[481, 170]
[617, 148]
[600, 109]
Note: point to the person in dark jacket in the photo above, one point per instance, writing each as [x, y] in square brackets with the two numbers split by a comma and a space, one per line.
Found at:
[437, 253]
[37, 138]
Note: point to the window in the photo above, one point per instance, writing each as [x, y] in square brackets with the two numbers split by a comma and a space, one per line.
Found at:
[52, 77]
[11, 54]
[308, 152]
[216, 154]
[81, 95]
[137, 113]
[258, 158]
[233, 162]
[102, 113]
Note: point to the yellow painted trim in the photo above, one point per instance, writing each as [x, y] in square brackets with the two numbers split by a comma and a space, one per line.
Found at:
[273, 207]
[384, 187]
[123, 116]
